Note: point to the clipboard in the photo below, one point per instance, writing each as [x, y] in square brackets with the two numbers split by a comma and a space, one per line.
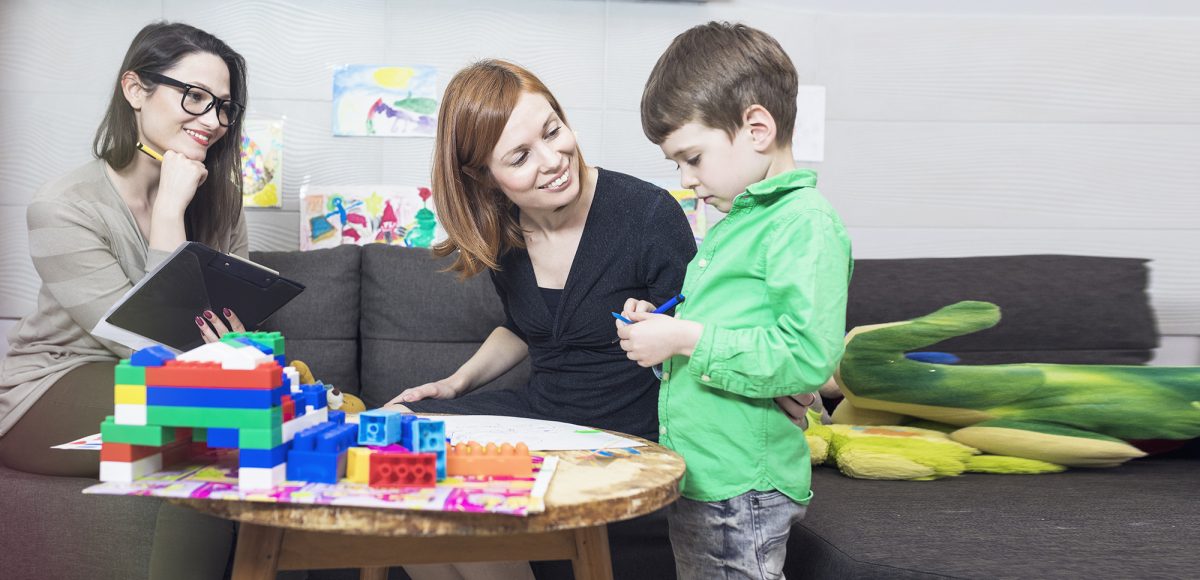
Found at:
[162, 307]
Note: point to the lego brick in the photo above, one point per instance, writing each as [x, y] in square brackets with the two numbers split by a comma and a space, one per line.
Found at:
[199, 434]
[406, 430]
[156, 435]
[306, 439]
[224, 398]
[229, 356]
[337, 439]
[223, 438]
[471, 458]
[127, 374]
[379, 427]
[402, 470]
[271, 340]
[215, 417]
[338, 417]
[427, 436]
[260, 438]
[358, 464]
[291, 378]
[282, 360]
[153, 356]
[129, 394]
[241, 341]
[264, 478]
[262, 457]
[289, 407]
[126, 452]
[127, 471]
[316, 466]
[130, 414]
[211, 376]
[303, 422]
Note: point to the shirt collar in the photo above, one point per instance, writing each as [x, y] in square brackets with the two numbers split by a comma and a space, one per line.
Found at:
[776, 186]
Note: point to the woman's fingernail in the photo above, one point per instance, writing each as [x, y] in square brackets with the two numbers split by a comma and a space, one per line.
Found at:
[227, 312]
[199, 322]
[208, 314]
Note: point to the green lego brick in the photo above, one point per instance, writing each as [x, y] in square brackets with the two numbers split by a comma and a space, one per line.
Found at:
[272, 340]
[214, 417]
[152, 435]
[199, 435]
[260, 438]
[127, 374]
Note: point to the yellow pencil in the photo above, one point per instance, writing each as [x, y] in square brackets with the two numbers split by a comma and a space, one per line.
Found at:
[149, 151]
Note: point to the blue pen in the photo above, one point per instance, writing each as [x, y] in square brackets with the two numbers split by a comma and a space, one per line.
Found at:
[661, 309]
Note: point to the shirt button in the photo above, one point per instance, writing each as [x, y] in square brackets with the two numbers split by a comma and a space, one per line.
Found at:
[706, 378]
[662, 430]
[703, 262]
[667, 376]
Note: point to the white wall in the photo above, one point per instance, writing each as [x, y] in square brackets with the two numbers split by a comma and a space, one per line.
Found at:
[954, 128]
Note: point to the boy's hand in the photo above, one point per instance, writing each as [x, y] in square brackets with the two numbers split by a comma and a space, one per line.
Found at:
[796, 407]
[654, 338]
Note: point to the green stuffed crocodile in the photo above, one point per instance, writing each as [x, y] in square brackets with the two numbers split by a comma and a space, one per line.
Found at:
[1073, 415]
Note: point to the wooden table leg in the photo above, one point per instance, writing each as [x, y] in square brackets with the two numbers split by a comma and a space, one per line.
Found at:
[376, 573]
[257, 556]
[592, 560]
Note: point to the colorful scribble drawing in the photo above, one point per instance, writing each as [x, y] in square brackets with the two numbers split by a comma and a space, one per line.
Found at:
[262, 163]
[385, 101]
[693, 208]
[396, 216]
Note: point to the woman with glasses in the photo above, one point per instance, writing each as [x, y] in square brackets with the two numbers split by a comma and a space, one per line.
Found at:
[167, 153]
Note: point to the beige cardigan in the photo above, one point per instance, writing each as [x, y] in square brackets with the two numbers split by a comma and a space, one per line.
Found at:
[88, 251]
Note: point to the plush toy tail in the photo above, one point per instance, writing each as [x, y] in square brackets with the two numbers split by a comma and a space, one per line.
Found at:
[1004, 464]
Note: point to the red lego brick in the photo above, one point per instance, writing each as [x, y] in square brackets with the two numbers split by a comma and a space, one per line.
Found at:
[289, 408]
[125, 452]
[402, 470]
[471, 458]
[268, 375]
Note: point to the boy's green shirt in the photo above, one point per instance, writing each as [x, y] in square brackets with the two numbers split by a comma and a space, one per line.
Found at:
[769, 284]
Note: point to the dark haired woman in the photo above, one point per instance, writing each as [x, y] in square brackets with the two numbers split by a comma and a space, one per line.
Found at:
[96, 231]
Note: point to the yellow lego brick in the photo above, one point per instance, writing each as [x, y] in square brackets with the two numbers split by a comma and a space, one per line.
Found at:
[129, 394]
[358, 464]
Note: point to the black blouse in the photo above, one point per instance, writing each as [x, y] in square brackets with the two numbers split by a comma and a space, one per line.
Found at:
[636, 242]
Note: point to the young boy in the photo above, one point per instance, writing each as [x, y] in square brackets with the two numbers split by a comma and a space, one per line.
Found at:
[765, 308]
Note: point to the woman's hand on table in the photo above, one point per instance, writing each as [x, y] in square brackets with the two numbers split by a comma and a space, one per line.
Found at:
[212, 328]
[447, 388]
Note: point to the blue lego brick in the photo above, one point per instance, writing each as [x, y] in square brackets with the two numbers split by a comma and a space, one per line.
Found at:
[337, 439]
[222, 438]
[406, 431]
[338, 417]
[306, 440]
[263, 457]
[222, 398]
[428, 436]
[316, 466]
[379, 427]
[313, 395]
[261, 347]
[282, 360]
[441, 464]
[153, 356]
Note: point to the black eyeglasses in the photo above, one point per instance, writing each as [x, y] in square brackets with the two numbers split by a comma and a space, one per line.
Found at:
[198, 100]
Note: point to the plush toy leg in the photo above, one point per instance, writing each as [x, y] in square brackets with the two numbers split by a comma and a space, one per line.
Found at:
[1047, 442]
[847, 414]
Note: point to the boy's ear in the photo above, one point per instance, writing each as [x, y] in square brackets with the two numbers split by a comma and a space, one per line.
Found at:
[758, 120]
[131, 87]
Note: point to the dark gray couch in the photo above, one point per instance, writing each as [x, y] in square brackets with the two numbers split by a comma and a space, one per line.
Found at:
[377, 319]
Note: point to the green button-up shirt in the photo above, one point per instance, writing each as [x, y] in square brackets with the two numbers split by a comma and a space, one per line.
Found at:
[769, 284]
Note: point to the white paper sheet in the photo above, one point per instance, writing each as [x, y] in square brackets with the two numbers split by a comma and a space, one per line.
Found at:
[538, 435]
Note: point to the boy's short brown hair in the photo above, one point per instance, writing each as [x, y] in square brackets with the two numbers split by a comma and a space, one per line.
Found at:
[712, 73]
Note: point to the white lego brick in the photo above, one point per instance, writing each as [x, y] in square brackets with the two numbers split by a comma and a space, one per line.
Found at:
[304, 422]
[130, 415]
[293, 378]
[261, 477]
[231, 357]
[128, 472]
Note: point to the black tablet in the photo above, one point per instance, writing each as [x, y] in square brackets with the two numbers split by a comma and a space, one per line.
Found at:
[162, 307]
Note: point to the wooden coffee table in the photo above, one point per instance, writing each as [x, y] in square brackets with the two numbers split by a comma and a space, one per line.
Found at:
[585, 495]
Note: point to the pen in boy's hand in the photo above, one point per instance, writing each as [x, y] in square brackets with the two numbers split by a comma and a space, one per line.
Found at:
[661, 309]
[622, 318]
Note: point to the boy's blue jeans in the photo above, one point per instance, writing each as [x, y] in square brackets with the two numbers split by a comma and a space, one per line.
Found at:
[741, 537]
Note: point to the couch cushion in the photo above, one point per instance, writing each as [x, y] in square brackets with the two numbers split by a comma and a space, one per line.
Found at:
[321, 324]
[1065, 309]
[1131, 521]
[419, 323]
